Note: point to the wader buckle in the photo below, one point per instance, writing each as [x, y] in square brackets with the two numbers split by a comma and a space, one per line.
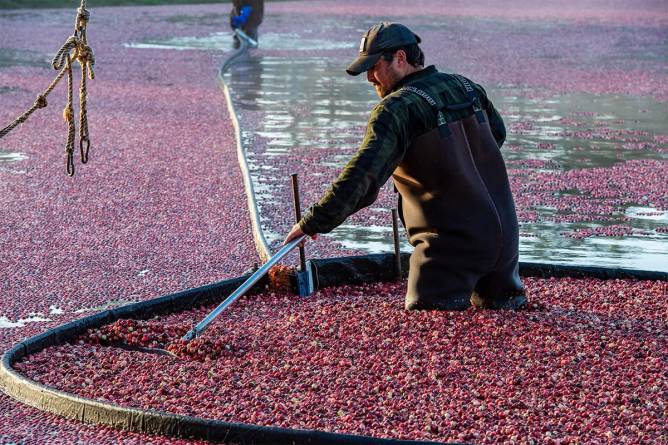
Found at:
[441, 122]
[473, 97]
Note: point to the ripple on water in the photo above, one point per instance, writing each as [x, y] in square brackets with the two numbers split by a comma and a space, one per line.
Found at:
[8, 156]
[12, 57]
[222, 41]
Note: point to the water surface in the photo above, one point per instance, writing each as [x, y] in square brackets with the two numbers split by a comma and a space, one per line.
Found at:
[305, 109]
[308, 104]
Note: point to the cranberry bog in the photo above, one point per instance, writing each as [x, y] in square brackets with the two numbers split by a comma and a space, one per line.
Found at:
[585, 363]
[162, 209]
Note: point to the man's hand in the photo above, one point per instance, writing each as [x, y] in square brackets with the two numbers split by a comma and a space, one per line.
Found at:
[296, 232]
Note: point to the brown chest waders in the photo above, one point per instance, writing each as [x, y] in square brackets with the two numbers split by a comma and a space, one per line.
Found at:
[458, 210]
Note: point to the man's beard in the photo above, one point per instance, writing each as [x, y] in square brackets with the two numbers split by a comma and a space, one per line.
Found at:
[381, 91]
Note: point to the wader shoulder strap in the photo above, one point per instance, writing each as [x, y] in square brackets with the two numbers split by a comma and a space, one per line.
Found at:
[442, 124]
[473, 98]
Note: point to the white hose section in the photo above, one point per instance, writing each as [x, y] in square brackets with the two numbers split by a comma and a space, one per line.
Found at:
[258, 235]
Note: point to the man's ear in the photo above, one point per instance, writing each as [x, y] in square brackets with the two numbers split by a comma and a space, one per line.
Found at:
[401, 56]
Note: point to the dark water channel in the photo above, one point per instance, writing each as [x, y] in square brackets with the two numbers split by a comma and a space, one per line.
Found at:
[307, 108]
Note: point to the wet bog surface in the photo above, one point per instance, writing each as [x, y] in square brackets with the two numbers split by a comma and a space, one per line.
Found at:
[583, 363]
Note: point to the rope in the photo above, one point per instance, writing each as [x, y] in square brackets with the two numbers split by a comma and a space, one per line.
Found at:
[68, 115]
[75, 48]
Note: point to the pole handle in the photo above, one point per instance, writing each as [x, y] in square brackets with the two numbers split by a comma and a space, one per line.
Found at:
[241, 290]
[298, 217]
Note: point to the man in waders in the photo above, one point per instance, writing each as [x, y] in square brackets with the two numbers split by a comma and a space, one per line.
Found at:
[438, 136]
[246, 15]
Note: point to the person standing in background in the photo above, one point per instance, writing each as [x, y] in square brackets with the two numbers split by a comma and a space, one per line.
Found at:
[247, 16]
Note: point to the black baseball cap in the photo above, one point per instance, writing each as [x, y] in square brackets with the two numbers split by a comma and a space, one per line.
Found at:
[378, 39]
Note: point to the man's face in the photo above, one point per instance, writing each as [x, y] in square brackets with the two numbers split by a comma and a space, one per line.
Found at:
[384, 75]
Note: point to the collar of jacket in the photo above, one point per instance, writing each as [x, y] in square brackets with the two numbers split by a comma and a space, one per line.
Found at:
[424, 72]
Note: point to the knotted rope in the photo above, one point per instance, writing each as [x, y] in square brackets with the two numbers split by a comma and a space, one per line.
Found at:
[75, 48]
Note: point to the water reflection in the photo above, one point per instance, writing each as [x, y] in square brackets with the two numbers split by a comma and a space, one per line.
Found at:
[631, 252]
[583, 130]
[40, 317]
[367, 238]
[291, 108]
[647, 213]
[12, 57]
[222, 41]
[8, 156]
[6, 323]
[248, 74]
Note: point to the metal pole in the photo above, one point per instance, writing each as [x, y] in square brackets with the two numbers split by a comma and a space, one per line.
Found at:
[298, 216]
[197, 330]
[243, 36]
[397, 251]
